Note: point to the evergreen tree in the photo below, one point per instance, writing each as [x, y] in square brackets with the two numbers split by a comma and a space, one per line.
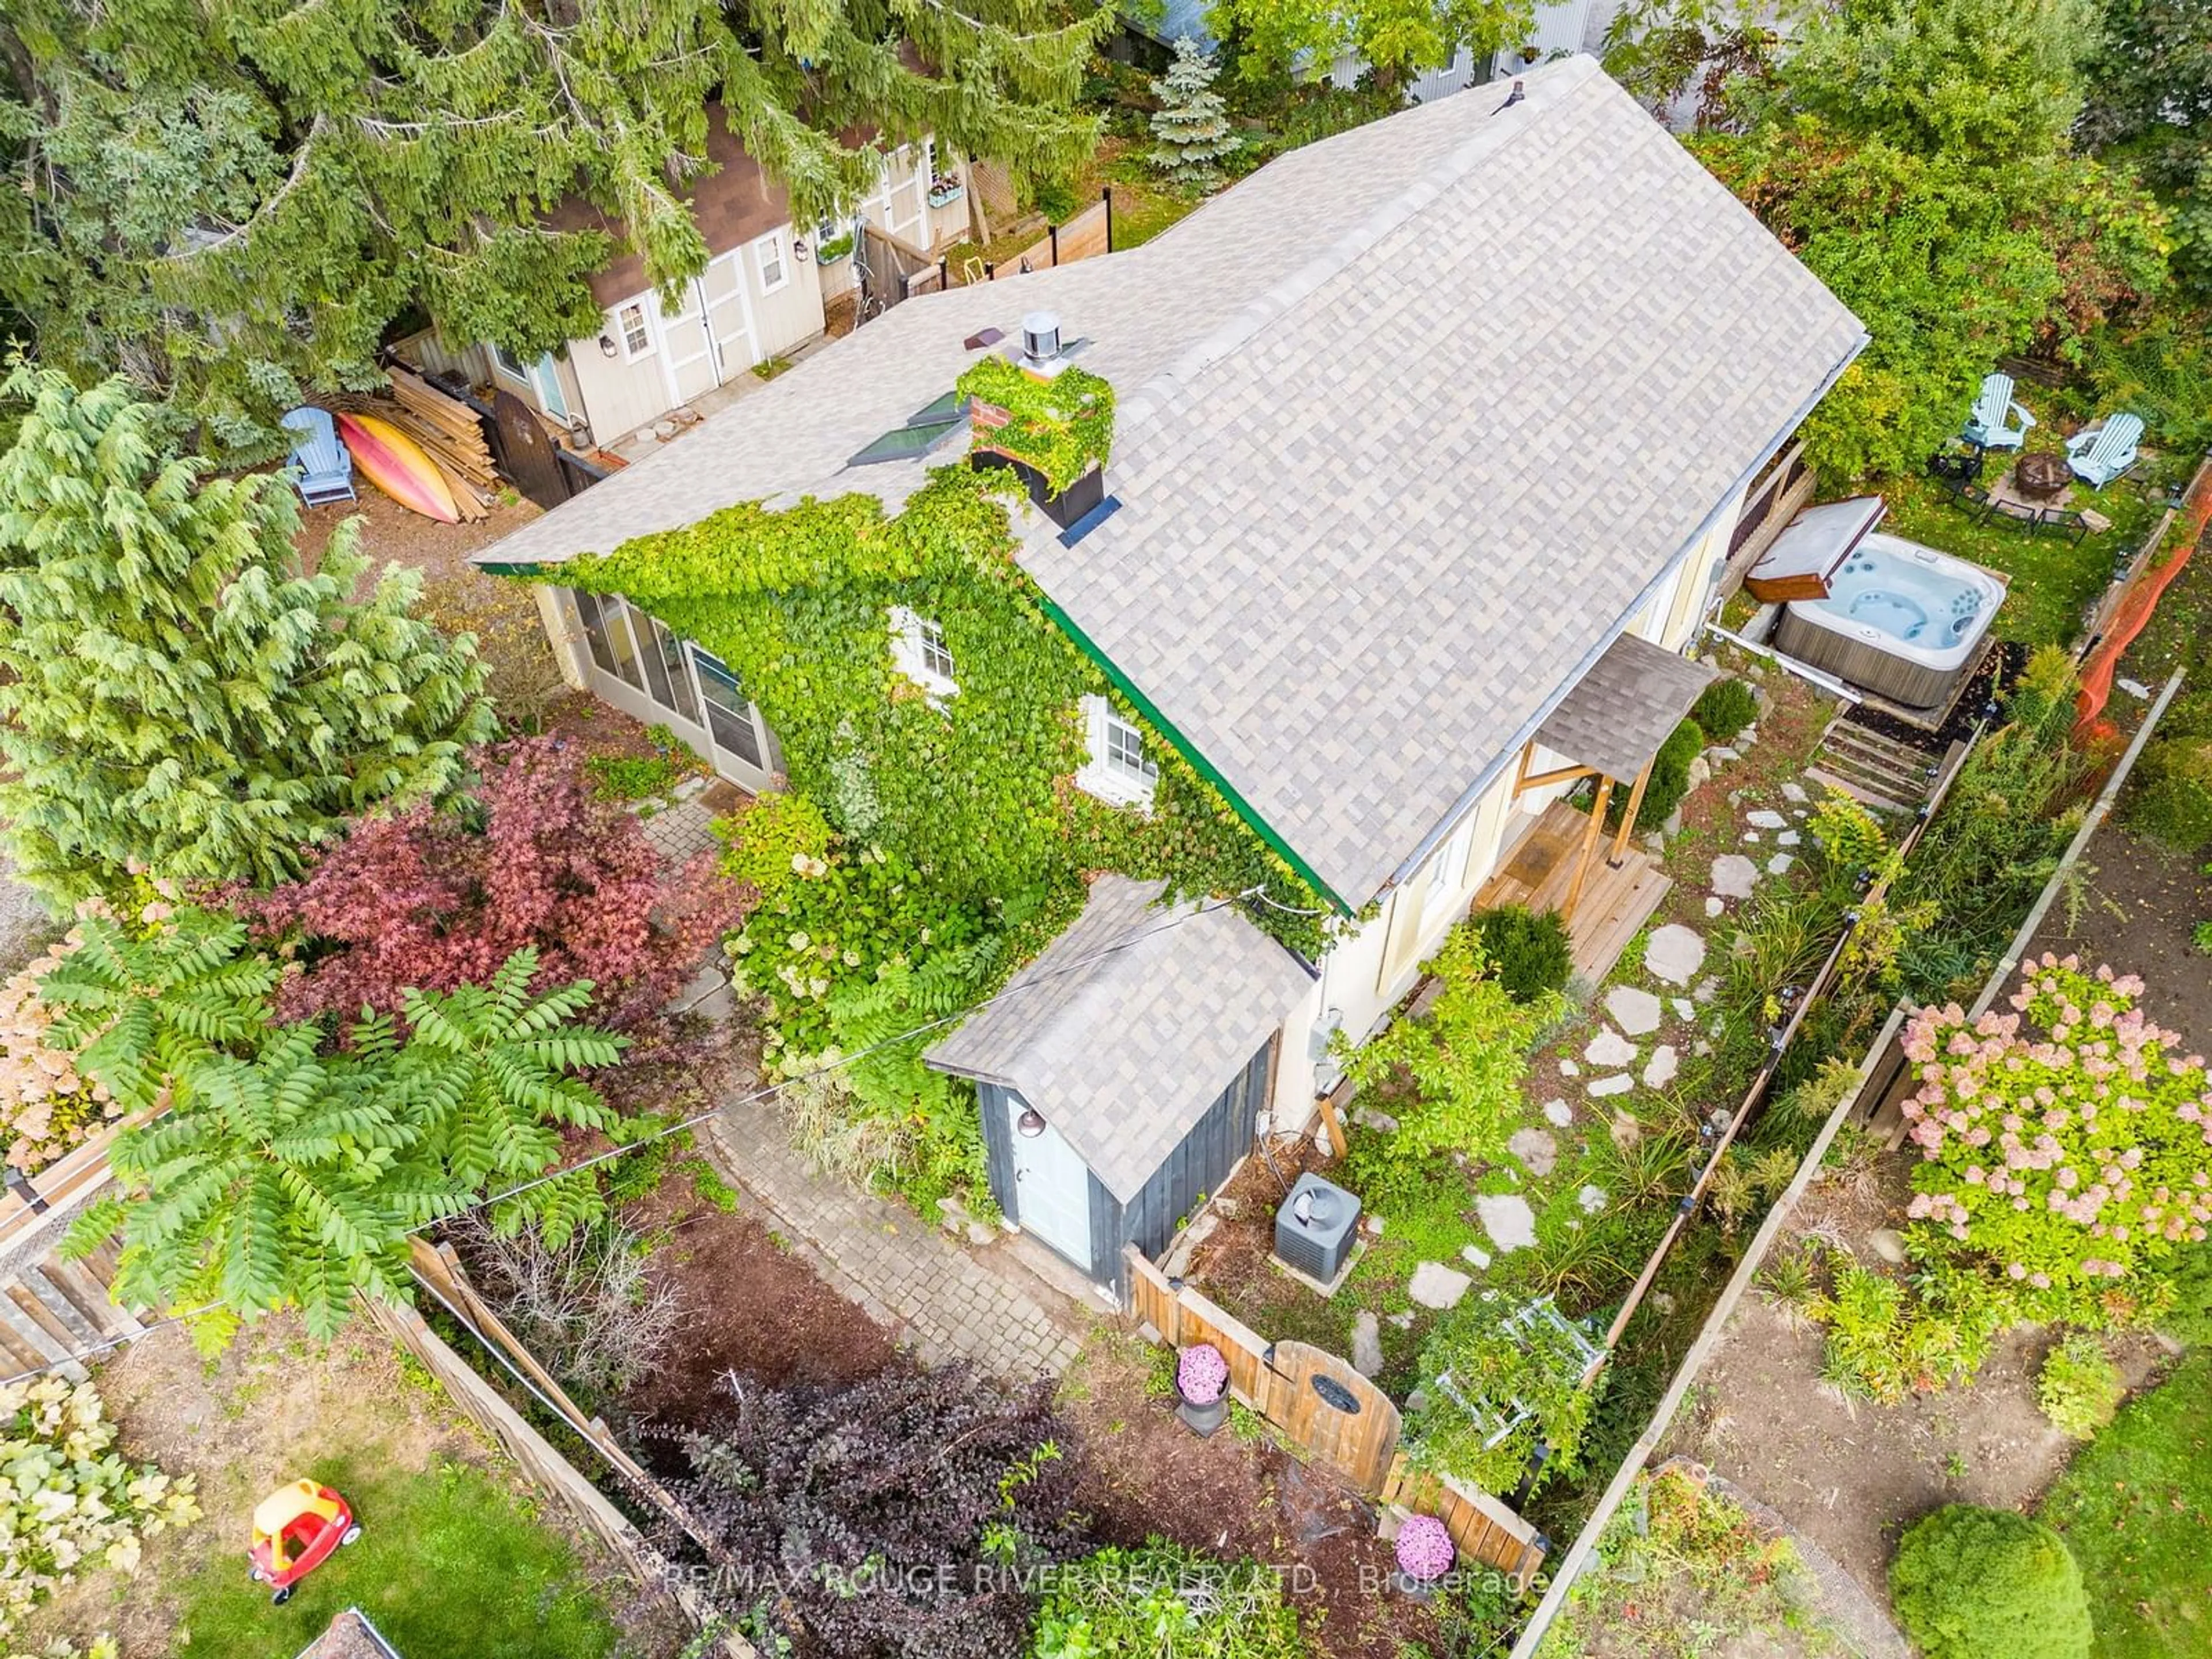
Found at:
[1397, 38]
[1193, 124]
[180, 697]
[229, 199]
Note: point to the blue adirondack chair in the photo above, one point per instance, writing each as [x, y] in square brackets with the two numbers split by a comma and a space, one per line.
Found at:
[324, 469]
[2097, 457]
[1991, 424]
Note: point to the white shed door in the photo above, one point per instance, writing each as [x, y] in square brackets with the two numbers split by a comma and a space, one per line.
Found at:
[1052, 1187]
[729, 313]
[687, 349]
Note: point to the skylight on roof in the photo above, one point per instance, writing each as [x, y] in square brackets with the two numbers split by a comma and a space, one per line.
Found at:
[923, 430]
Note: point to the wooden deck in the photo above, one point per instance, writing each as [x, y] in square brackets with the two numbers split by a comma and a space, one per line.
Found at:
[1536, 869]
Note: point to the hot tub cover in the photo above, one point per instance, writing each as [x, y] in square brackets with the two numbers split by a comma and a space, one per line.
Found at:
[1128, 1026]
[1806, 555]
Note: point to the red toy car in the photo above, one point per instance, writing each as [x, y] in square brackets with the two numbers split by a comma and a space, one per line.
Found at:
[296, 1528]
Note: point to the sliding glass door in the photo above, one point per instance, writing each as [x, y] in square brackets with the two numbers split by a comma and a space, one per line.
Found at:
[645, 669]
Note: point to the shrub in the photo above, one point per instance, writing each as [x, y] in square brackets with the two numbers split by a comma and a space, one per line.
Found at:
[1497, 1384]
[1164, 1601]
[1976, 1583]
[1670, 783]
[2079, 1388]
[2073, 1158]
[1530, 951]
[632, 777]
[2172, 801]
[1886, 1339]
[433, 901]
[893, 1513]
[1452, 1077]
[781, 835]
[68, 1500]
[1724, 708]
[46, 1106]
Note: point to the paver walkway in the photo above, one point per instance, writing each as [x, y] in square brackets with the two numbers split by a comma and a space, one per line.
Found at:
[942, 1300]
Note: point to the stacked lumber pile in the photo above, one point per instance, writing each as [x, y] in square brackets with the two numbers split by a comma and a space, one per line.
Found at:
[451, 432]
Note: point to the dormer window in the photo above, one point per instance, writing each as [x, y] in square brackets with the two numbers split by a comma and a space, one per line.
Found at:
[1119, 770]
[919, 651]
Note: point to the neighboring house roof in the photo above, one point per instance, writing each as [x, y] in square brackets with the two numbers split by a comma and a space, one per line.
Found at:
[1126, 1028]
[1410, 423]
[736, 205]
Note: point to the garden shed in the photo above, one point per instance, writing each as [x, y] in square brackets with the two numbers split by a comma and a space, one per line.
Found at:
[1121, 1073]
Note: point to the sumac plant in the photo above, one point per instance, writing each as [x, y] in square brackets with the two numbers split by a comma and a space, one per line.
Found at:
[432, 900]
[2066, 1147]
[900, 1515]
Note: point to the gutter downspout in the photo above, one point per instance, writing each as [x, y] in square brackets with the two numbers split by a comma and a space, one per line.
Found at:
[1790, 665]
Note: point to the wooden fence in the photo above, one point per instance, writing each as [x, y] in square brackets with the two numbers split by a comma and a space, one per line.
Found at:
[1336, 1416]
[1085, 236]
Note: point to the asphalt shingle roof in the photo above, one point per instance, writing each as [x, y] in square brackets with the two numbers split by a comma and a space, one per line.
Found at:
[1128, 1026]
[1625, 709]
[1410, 423]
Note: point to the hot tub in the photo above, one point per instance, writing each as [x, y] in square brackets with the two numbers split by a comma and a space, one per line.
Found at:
[1901, 620]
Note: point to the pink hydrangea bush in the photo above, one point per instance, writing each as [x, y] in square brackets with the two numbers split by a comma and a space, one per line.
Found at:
[2066, 1147]
[46, 1106]
[1201, 1374]
[1425, 1548]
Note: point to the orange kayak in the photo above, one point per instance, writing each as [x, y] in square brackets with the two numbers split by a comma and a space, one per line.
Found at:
[398, 466]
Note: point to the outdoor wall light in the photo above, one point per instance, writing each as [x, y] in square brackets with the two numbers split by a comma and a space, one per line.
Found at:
[1030, 1122]
[606, 345]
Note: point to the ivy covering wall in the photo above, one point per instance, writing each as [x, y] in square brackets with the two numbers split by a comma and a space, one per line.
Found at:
[969, 798]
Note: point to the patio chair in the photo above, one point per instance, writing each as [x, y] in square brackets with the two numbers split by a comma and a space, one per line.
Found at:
[1990, 424]
[325, 467]
[2062, 521]
[2099, 456]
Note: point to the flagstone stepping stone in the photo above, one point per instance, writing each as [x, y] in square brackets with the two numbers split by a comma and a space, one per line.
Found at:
[1779, 864]
[1767, 818]
[1568, 1069]
[1609, 1048]
[1887, 1243]
[1794, 791]
[1635, 1010]
[1734, 876]
[1715, 905]
[1367, 1345]
[1787, 838]
[1592, 1199]
[1705, 987]
[1685, 1009]
[1368, 1118]
[1404, 1321]
[1625, 1130]
[1612, 1086]
[1560, 1112]
[1660, 1071]
[1507, 1218]
[1701, 1047]
[1719, 754]
[1675, 954]
[1750, 835]
[1436, 1285]
[1536, 1149]
[1474, 1255]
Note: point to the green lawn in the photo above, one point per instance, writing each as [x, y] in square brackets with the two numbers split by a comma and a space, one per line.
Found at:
[2135, 1508]
[2053, 580]
[449, 1563]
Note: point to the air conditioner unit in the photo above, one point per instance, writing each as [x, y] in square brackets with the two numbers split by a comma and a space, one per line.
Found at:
[1316, 1227]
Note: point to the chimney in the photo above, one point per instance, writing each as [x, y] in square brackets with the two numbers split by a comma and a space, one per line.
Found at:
[1041, 344]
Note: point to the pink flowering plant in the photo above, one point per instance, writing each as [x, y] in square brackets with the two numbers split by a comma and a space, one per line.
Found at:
[1201, 1374]
[1424, 1548]
[2066, 1147]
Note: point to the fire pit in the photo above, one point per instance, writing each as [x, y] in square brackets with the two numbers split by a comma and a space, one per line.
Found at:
[2041, 476]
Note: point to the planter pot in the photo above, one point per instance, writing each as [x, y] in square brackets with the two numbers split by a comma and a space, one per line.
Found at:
[822, 258]
[1203, 1420]
[944, 197]
[1421, 1589]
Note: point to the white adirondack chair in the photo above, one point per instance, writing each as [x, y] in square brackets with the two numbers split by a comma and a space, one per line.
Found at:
[1991, 425]
[2106, 453]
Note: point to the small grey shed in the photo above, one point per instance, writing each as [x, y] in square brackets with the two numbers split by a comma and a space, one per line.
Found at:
[1121, 1071]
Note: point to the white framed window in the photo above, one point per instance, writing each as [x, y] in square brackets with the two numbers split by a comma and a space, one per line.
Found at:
[633, 330]
[769, 258]
[509, 364]
[542, 377]
[1119, 770]
[919, 651]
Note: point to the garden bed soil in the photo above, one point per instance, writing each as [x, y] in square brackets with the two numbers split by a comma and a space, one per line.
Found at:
[2143, 900]
[1144, 1475]
[395, 534]
[749, 1304]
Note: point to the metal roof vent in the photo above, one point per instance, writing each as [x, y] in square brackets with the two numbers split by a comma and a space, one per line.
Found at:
[1316, 1227]
[1041, 342]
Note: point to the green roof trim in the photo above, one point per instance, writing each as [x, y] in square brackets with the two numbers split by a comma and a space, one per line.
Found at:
[490, 569]
[1190, 752]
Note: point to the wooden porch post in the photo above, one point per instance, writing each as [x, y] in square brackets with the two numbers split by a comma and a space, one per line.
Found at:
[1589, 847]
[1628, 816]
[1521, 772]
